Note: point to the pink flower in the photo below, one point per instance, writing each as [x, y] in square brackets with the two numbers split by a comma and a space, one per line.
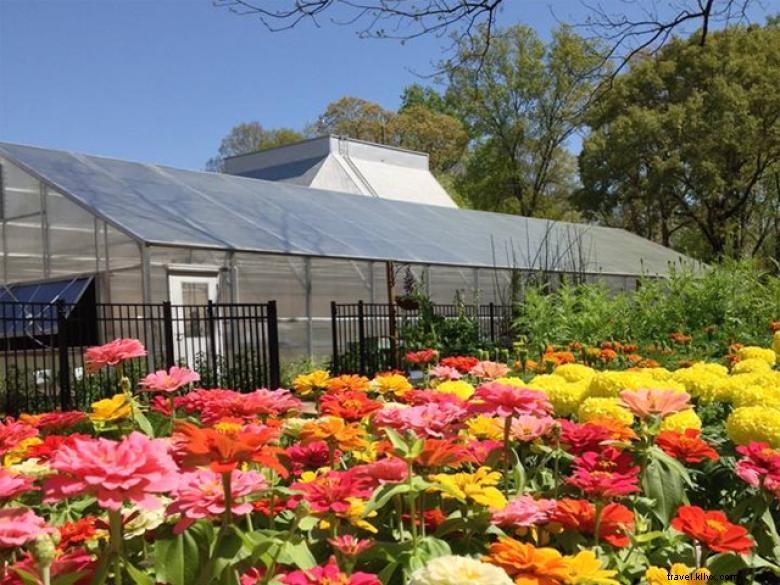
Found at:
[18, 526]
[420, 397]
[528, 428]
[253, 576]
[330, 574]
[200, 495]
[494, 399]
[604, 474]
[481, 450]
[489, 370]
[217, 404]
[333, 491]
[112, 353]
[65, 565]
[524, 511]
[760, 465]
[387, 470]
[422, 357]
[444, 373]
[645, 402]
[133, 469]
[309, 457]
[12, 433]
[350, 546]
[170, 381]
[581, 438]
[432, 420]
[11, 484]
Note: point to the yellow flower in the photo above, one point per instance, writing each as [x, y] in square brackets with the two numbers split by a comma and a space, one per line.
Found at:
[701, 381]
[755, 352]
[756, 395]
[355, 515]
[751, 366]
[368, 454]
[574, 372]
[585, 569]
[659, 374]
[608, 407]
[392, 384]
[484, 427]
[754, 423]
[659, 576]
[567, 398]
[680, 421]
[776, 342]
[512, 381]
[305, 384]
[477, 487]
[115, 408]
[459, 388]
[609, 384]
[17, 454]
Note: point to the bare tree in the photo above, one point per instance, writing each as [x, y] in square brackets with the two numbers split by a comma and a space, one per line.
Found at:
[656, 22]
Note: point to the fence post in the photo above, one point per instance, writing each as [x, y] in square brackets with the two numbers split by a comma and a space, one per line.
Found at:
[170, 359]
[362, 338]
[334, 336]
[274, 368]
[64, 365]
[212, 341]
[492, 323]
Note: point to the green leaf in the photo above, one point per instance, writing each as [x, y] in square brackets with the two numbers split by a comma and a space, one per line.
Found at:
[297, 554]
[384, 494]
[28, 578]
[397, 441]
[101, 570]
[68, 579]
[665, 485]
[143, 423]
[387, 573]
[726, 563]
[138, 576]
[177, 558]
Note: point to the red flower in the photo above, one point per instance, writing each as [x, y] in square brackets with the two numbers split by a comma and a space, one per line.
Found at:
[52, 422]
[329, 574]
[604, 474]
[580, 438]
[333, 491]
[112, 354]
[444, 453]
[422, 357]
[387, 470]
[217, 404]
[309, 457]
[580, 515]
[685, 446]
[76, 532]
[12, 433]
[46, 450]
[712, 529]
[352, 405]
[462, 363]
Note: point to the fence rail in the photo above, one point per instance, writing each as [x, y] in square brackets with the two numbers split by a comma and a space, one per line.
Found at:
[42, 345]
[370, 337]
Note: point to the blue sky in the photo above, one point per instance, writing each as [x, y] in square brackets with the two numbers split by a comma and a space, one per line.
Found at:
[164, 80]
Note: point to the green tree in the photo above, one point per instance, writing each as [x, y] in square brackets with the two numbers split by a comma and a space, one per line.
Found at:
[250, 137]
[685, 146]
[521, 100]
[355, 117]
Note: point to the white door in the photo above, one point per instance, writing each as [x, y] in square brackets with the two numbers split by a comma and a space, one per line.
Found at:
[190, 294]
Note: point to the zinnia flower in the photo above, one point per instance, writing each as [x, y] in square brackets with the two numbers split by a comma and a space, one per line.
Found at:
[475, 487]
[455, 570]
[18, 526]
[134, 469]
[12, 433]
[391, 384]
[502, 400]
[585, 569]
[334, 491]
[305, 384]
[307, 457]
[444, 373]
[51, 422]
[526, 564]
[350, 546]
[644, 402]
[334, 431]
[329, 574]
[712, 529]
[580, 516]
[686, 446]
[462, 363]
[432, 420]
[170, 381]
[489, 370]
[351, 405]
[12, 484]
[528, 428]
[62, 569]
[346, 383]
[760, 465]
[604, 474]
[111, 409]
[422, 357]
[524, 511]
[200, 495]
[112, 354]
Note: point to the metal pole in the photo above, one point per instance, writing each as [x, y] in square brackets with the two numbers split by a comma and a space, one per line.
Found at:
[273, 346]
[170, 359]
[390, 276]
[64, 365]
[334, 336]
[362, 338]
[492, 323]
[212, 339]
[309, 323]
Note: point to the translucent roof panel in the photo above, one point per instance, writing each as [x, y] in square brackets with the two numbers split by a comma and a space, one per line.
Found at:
[168, 206]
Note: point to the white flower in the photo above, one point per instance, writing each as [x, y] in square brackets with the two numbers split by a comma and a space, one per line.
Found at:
[455, 570]
[33, 468]
[137, 521]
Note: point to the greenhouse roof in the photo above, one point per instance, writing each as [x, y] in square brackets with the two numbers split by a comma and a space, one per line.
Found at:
[166, 206]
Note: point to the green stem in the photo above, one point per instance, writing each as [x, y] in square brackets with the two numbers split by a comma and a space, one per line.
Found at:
[399, 512]
[507, 432]
[116, 543]
[597, 521]
[46, 575]
[227, 517]
[173, 412]
[557, 466]
[412, 509]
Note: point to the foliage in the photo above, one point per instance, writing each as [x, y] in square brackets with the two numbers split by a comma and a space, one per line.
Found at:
[250, 137]
[726, 303]
[685, 148]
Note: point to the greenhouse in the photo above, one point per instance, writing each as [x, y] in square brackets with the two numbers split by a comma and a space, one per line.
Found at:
[128, 232]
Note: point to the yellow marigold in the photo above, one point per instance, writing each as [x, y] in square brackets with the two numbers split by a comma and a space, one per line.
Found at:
[659, 576]
[574, 372]
[608, 407]
[756, 395]
[754, 423]
[566, 398]
[681, 421]
[484, 427]
[459, 388]
[700, 382]
[512, 381]
[585, 569]
[750, 366]
[776, 342]
[305, 384]
[727, 388]
[392, 384]
[115, 408]
[610, 384]
[659, 374]
[477, 487]
[750, 352]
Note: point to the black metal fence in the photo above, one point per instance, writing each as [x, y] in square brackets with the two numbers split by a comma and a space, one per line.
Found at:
[371, 337]
[42, 345]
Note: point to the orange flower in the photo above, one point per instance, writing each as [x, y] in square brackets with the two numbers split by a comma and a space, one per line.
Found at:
[347, 383]
[680, 337]
[712, 529]
[630, 348]
[528, 565]
[222, 450]
[617, 429]
[334, 431]
[607, 355]
[774, 326]
[648, 363]
[580, 515]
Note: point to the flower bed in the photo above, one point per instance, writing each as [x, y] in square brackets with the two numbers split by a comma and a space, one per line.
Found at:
[480, 474]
